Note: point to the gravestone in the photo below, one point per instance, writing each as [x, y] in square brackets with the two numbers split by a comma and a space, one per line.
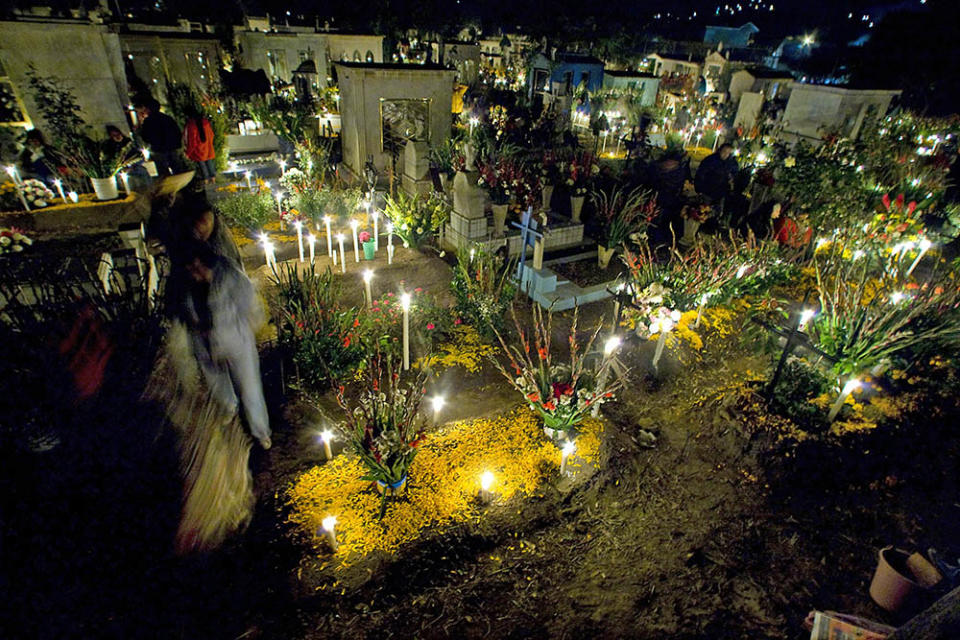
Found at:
[468, 220]
[416, 168]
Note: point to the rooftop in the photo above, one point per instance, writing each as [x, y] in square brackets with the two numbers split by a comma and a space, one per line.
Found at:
[394, 66]
[626, 73]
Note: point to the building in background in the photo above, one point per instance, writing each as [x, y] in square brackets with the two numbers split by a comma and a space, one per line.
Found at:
[813, 111]
[731, 37]
[159, 55]
[645, 84]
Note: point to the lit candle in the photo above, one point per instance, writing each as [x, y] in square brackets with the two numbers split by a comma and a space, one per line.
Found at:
[405, 304]
[925, 245]
[326, 221]
[437, 403]
[389, 235]
[666, 324]
[356, 244]
[609, 347]
[805, 317]
[367, 277]
[568, 448]
[851, 385]
[333, 256]
[312, 242]
[343, 258]
[299, 227]
[703, 303]
[326, 437]
[283, 168]
[74, 198]
[59, 186]
[329, 526]
[23, 198]
[376, 231]
[390, 254]
[12, 171]
[472, 253]
[123, 176]
[486, 482]
[248, 175]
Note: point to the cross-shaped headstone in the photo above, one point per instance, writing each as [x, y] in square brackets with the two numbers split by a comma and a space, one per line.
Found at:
[529, 237]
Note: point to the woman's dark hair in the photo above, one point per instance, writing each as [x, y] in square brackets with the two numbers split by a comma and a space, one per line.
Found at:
[35, 135]
[111, 129]
[198, 121]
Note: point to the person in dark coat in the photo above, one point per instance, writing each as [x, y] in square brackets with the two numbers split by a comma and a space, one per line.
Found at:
[161, 133]
[116, 141]
[38, 158]
[667, 177]
[714, 176]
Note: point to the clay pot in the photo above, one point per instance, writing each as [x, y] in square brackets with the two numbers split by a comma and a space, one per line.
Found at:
[603, 256]
[576, 206]
[499, 218]
[105, 188]
[546, 194]
[894, 584]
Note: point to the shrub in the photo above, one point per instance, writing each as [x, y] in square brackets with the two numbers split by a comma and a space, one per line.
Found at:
[416, 218]
[248, 210]
[483, 289]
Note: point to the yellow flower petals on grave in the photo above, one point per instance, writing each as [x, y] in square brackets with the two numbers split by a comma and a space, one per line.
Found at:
[466, 349]
[443, 484]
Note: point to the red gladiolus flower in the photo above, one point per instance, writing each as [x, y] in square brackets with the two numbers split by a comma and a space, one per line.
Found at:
[542, 353]
[533, 397]
[550, 406]
[561, 389]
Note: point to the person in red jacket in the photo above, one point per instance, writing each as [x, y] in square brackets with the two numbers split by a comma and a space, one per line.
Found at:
[198, 142]
[788, 232]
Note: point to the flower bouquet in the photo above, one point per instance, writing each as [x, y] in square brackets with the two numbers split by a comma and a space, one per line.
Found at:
[12, 241]
[383, 428]
[493, 180]
[622, 215]
[369, 246]
[580, 174]
[36, 193]
[562, 394]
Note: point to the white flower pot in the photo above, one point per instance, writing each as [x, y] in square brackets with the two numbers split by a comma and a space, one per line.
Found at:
[603, 256]
[690, 228]
[576, 206]
[546, 194]
[151, 168]
[499, 218]
[105, 188]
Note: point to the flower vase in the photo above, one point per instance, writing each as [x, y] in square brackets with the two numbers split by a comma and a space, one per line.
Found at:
[392, 489]
[603, 256]
[546, 194]
[499, 218]
[576, 206]
[369, 250]
[690, 228]
[105, 188]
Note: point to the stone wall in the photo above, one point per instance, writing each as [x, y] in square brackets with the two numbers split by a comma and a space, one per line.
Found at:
[813, 110]
[86, 57]
[363, 86]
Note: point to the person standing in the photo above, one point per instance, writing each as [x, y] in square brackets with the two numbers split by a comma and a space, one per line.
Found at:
[713, 178]
[37, 158]
[161, 133]
[198, 142]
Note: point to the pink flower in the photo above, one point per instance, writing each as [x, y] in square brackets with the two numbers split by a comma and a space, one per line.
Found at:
[430, 326]
[364, 236]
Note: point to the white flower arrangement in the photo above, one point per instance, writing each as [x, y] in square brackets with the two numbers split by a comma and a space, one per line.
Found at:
[36, 193]
[12, 241]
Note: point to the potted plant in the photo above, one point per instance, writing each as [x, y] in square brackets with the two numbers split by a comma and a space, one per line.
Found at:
[621, 215]
[493, 180]
[562, 394]
[383, 427]
[369, 245]
[94, 159]
[580, 172]
[694, 214]
[416, 218]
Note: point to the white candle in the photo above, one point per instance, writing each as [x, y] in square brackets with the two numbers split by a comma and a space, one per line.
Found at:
[23, 198]
[59, 185]
[326, 221]
[330, 528]
[12, 171]
[848, 388]
[805, 317]
[390, 254]
[437, 403]
[367, 277]
[123, 176]
[376, 231]
[146, 154]
[568, 448]
[249, 175]
[312, 242]
[343, 258]
[333, 256]
[299, 227]
[405, 304]
[74, 198]
[486, 482]
[666, 324]
[390, 235]
[283, 168]
[326, 437]
[703, 303]
[925, 245]
[609, 347]
[356, 245]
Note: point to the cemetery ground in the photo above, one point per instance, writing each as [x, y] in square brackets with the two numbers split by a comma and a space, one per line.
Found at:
[715, 530]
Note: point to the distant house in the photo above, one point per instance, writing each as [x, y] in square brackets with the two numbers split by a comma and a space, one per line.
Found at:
[645, 84]
[465, 58]
[562, 76]
[731, 37]
[814, 110]
[165, 55]
[769, 82]
[661, 65]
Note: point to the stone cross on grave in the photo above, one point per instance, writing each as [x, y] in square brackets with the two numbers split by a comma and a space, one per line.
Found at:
[529, 237]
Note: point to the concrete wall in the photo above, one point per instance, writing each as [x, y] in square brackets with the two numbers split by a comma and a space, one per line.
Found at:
[742, 81]
[646, 85]
[188, 59]
[813, 110]
[279, 54]
[342, 47]
[361, 88]
[465, 57]
[84, 56]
